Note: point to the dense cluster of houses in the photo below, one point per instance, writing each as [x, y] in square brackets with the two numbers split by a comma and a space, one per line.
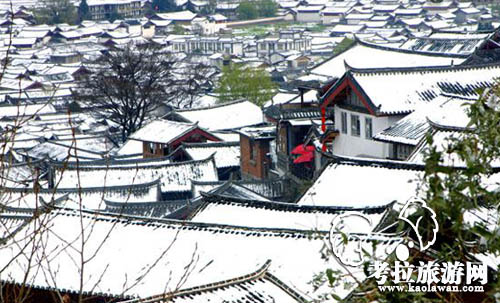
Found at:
[230, 202]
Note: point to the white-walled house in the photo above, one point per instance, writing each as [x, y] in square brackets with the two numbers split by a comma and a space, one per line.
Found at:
[309, 13]
[356, 132]
[367, 101]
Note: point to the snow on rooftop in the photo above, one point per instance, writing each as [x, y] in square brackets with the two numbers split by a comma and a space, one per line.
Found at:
[274, 214]
[367, 56]
[175, 177]
[26, 111]
[162, 131]
[177, 16]
[207, 253]
[88, 198]
[130, 147]
[224, 116]
[446, 111]
[226, 155]
[409, 87]
[351, 185]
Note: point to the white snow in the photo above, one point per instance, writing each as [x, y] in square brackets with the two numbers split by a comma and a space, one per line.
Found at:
[225, 116]
[132, 260]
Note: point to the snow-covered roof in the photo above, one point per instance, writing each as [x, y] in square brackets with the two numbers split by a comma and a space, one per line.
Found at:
[61, 152]
[412, 128]
[244, 212]
[347, 28]
[365, 55]
[177, 16]
[226, 154]
[458, 44]
[175, 177]
[86, 197]
[178, 253]
[17, 174]
[162, 131]
[309, 8]
[24, 112]
[411, 87]
[351, 184]
[258, 286]
[223, 116]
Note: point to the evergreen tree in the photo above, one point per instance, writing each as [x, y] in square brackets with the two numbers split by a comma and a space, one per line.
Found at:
[267, 8]
[247, 10]
[83, 11]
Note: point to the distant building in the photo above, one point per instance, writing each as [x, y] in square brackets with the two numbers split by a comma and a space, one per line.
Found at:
[286, 41]
[209, 45]
[104, 9]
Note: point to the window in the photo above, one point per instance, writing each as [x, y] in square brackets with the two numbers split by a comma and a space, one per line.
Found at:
[343, 118]
[252, 151]
[355, 126]
[152, 148]
[403, 151]
[368, 128]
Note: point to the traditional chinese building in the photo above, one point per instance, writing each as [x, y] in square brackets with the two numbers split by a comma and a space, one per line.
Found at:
[161, 137]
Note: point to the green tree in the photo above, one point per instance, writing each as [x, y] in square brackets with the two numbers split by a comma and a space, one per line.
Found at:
[247, 10]
[83, 11]
[252, 84]
[267, 8]
[179, 30]
[345, 44]
[55, 12]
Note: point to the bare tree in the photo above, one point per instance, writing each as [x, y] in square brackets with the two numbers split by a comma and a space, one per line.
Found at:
[129, 84]
[191, 83]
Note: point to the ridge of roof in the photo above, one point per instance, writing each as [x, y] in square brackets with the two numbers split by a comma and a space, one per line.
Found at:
[184, 225]
[408, 51]
[260, 273]
[210, 144]
[73, 165]
[27, 163]
[209, 198]
[442, 127]
[383, 163]
[353, 44]
[217, 105]
[126, 204]
[128, 187]
[429, 69]
[112, 161]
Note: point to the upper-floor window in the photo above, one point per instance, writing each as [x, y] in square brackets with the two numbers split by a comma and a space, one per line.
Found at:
[368, 128]
[343, 118]
[355, 126]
